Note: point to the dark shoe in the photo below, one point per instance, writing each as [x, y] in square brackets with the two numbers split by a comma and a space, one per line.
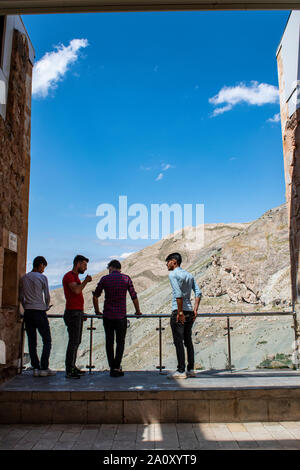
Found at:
[72, 374]
[116, 373]
[79, 371]
[119, 371]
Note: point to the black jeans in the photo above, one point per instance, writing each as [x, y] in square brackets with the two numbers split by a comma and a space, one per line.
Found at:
[74, 322]
[120, 327]
[182, 334]
[38, 320]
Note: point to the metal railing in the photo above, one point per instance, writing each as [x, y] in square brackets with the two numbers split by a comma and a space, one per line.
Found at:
[91, 328]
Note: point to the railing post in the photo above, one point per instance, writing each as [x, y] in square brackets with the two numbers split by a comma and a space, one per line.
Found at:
[228, 328]
[160, 329]
[90, 365]
[22, 345]
[296, 349]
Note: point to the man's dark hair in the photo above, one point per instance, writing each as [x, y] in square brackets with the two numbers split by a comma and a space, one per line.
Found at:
[114, 263]
[176, 256]
[79, 258]
[38, 261]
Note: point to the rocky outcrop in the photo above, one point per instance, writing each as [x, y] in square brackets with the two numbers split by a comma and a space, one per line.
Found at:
[253, 266]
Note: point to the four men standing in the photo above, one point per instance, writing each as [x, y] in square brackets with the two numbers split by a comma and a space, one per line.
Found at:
[35, 298]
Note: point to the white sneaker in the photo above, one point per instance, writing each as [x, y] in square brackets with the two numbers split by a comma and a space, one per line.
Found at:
[191, 373]
[47, 372]
[177, 375]
[36, 372]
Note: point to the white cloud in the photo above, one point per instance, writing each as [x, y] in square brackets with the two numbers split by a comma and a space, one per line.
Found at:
[52, 67]
[123, 255]
[275, 118]
[255, 94]
[222, 110]
[166, 166]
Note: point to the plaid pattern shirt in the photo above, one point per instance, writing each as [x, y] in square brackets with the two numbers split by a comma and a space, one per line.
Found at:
[115, 286]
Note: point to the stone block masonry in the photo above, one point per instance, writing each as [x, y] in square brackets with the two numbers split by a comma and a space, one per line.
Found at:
[14, 197]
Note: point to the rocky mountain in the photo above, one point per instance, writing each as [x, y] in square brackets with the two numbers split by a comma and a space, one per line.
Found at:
[241, 267]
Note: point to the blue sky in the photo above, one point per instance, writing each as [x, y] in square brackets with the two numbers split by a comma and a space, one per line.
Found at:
[134, 104]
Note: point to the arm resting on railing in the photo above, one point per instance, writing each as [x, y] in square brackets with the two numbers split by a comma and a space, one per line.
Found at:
[96, 305]
[137, 306]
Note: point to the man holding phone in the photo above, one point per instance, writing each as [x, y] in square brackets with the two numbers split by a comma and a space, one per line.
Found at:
[73, 316]
[183, 314]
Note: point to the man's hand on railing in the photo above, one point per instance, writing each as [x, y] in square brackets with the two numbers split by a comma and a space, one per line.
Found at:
[138, 313]
[98, 312]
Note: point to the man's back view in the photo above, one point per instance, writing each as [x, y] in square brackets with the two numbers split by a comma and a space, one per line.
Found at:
[115, 286]
[183, 314]
[35, 298]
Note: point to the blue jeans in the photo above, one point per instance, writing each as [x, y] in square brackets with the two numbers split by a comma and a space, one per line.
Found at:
[37, 320]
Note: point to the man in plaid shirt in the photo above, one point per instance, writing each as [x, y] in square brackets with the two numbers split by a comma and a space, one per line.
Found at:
[115, 286]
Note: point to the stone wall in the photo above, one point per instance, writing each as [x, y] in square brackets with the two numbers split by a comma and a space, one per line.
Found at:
[14, 195]
[291, 154]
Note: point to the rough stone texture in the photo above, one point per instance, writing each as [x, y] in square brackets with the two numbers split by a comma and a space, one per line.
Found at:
[248, 409]
[290, 138]
[14, 187]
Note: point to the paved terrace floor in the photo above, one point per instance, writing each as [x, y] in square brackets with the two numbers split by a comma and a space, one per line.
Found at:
[153, 381]
[196, 436]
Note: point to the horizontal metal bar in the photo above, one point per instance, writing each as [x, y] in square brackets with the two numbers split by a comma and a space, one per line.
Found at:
[21, 7]
[200, 315]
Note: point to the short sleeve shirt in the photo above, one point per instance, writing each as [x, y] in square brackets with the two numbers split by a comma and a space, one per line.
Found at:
[73, 301]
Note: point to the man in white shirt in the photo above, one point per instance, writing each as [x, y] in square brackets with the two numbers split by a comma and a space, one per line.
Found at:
[35, 298]
[183, 314]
